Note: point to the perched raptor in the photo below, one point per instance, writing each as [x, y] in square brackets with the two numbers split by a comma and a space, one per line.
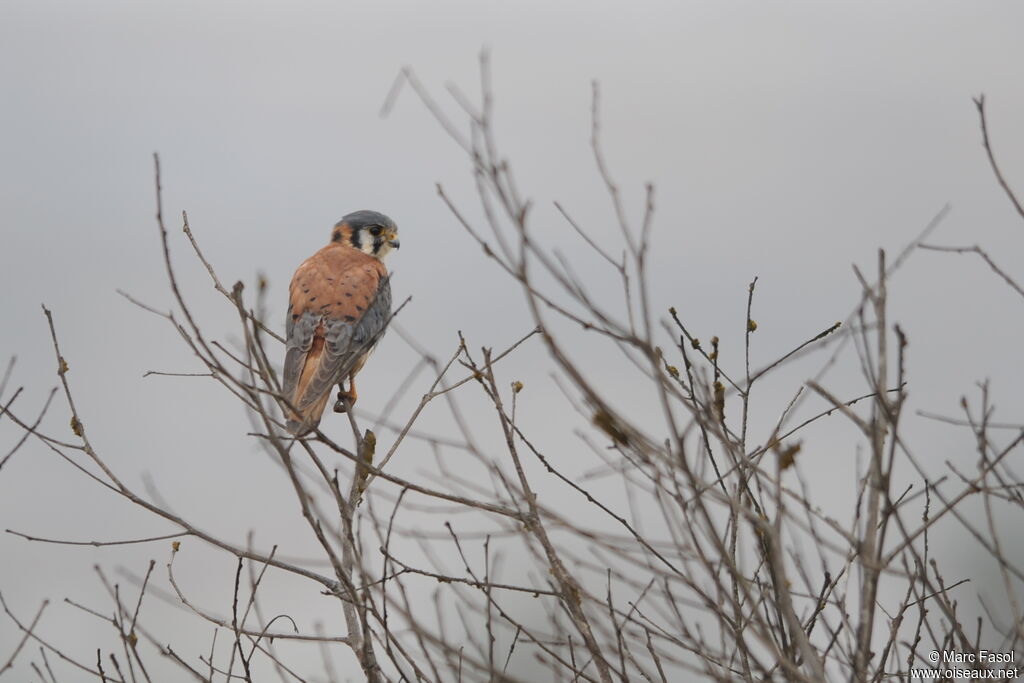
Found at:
[339, 304]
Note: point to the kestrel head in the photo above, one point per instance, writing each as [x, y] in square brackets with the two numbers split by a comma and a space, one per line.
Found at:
[370, 232]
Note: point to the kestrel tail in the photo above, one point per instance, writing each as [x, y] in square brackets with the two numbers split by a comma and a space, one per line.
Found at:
[339, 304]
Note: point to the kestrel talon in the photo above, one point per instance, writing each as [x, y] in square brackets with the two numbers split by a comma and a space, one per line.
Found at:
[339, 304]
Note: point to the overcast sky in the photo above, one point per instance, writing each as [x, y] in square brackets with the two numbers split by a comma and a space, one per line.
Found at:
[785, 140]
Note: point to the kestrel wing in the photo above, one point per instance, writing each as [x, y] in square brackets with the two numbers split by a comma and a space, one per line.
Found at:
[300, 339]
[346, 341]
[309, 296]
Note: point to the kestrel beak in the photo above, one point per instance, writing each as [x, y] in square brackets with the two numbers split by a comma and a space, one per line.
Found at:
[393, 241]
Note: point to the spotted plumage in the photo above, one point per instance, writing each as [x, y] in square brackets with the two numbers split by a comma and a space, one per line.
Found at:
[339, 305]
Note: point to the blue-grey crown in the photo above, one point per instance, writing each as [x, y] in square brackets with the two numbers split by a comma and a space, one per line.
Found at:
[365, 218]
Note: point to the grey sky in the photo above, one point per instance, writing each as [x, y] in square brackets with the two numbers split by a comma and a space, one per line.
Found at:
[786, 140]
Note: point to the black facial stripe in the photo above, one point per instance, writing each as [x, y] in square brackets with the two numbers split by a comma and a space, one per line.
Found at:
[377, 242]
[356, 240]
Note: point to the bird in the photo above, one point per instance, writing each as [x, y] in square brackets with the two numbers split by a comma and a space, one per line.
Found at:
[339, 305]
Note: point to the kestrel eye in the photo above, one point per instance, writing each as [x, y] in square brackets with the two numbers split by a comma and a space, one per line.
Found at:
[375, 230]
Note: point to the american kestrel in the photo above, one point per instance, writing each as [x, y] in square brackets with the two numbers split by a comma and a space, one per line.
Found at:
[339, 304]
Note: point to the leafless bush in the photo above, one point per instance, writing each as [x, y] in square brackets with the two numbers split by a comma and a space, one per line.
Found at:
[719, 562]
